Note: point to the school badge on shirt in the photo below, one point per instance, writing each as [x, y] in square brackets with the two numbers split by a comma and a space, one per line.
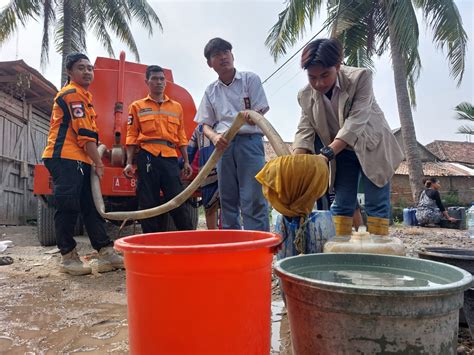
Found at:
[77, 109]
[247, 103]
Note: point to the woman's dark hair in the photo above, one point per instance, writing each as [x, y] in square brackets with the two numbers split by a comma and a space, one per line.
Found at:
[153, 69]
[73, 58]
[215, 45]
[428, 181]
[325, 51]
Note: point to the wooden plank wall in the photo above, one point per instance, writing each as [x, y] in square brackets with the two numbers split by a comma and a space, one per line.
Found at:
[23, 133]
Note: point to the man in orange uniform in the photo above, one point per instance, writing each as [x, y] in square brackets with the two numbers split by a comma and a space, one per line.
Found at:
[156, 129]
[69, 154]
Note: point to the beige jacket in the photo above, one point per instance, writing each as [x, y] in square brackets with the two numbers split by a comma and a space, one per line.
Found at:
[362, 122]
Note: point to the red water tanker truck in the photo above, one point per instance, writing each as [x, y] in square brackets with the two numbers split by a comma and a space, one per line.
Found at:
[116, 85]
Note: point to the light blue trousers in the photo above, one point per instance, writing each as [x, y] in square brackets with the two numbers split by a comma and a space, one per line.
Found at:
[242, 200]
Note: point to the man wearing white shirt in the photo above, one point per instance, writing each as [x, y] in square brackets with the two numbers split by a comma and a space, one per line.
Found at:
[241, 195]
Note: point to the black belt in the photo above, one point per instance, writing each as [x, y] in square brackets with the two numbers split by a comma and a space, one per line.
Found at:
[160, 141]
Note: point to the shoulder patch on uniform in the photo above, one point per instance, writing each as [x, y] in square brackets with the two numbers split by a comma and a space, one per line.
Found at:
[67, 92]
[77, 109]
[130, 120]
[146, 109]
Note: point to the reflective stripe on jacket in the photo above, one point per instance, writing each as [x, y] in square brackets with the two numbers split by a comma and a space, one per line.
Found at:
[149, 120]
[72, 124]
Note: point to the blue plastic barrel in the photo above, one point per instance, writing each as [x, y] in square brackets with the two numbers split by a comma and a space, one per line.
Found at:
[414, 221]
[407, 217]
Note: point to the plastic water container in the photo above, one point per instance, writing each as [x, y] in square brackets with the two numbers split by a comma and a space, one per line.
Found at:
[409, 217]
[319, 229]
[460, 214]
[470, 220]
[364, 242]
[199, 292]
[407, 221]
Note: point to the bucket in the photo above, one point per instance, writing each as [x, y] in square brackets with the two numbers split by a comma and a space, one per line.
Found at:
[372, 304]
[463, 259]
[199, 292]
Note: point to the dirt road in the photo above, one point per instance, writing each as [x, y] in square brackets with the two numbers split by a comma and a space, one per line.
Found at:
[44, 311]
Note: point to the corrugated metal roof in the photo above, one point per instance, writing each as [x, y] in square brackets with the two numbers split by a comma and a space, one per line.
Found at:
[34, 86]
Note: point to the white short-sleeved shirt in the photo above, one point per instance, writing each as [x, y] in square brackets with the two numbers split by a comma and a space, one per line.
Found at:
[221, 103]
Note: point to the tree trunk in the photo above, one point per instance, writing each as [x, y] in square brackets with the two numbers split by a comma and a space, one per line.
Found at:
[415, 167]
[66, 48]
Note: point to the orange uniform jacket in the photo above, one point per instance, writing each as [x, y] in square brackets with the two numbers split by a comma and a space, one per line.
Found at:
[72, 124]
[148, 120]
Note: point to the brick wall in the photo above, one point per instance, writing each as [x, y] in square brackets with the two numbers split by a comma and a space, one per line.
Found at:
[462, 185]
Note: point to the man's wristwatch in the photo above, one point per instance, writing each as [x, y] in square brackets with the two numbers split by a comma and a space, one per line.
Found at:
[328, 152]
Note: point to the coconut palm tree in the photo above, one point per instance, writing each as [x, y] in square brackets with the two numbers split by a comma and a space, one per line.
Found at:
[374, 27]
[72, 20]
[465, 112]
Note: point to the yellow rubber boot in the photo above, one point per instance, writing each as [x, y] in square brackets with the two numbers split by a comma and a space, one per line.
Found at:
[377, 225]
[343, 225]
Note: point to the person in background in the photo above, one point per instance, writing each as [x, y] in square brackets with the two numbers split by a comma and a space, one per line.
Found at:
[430, 209]
[70, 156]
[338, 106]
[201, 148]
[241, 195]
[155, 129]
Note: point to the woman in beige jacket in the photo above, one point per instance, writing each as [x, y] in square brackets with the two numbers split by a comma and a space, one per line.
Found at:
[339, 109]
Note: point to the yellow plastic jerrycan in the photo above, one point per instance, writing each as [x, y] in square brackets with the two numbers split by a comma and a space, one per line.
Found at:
[364, 242]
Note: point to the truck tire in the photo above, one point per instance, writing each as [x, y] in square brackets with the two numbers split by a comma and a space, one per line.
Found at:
[45, 221]
[79, 228]
[45, 224]
[193, 212]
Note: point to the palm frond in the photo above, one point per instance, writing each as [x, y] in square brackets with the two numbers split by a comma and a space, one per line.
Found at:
[291, 25]
[353, 26]
[466, 130]
[17, 12]
[118, 17]
[145, 14]
[403, 23]
[448, 33]
[465, 111]
[97, 21]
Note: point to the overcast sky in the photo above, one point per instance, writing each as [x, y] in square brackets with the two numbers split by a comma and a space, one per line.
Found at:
[188, 25]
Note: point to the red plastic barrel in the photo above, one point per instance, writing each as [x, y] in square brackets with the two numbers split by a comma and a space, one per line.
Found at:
[199, 292]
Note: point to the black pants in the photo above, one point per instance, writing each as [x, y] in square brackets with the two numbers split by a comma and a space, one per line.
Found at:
[72, 195]
[155, 174]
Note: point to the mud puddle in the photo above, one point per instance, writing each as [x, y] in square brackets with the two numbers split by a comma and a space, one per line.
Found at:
[59, 317]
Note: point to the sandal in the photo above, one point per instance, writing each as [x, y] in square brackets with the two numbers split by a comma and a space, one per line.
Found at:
[6, 260]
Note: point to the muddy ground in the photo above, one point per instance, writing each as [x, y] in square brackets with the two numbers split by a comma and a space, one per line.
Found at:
[43, 311]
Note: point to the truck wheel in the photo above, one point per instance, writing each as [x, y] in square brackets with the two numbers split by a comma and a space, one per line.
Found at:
[45, 221]
[79, 228]
[193, 212]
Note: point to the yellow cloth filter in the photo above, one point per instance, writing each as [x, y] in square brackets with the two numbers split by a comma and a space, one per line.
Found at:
[293, 183]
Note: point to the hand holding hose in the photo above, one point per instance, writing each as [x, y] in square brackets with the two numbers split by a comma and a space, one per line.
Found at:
[129, 171]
